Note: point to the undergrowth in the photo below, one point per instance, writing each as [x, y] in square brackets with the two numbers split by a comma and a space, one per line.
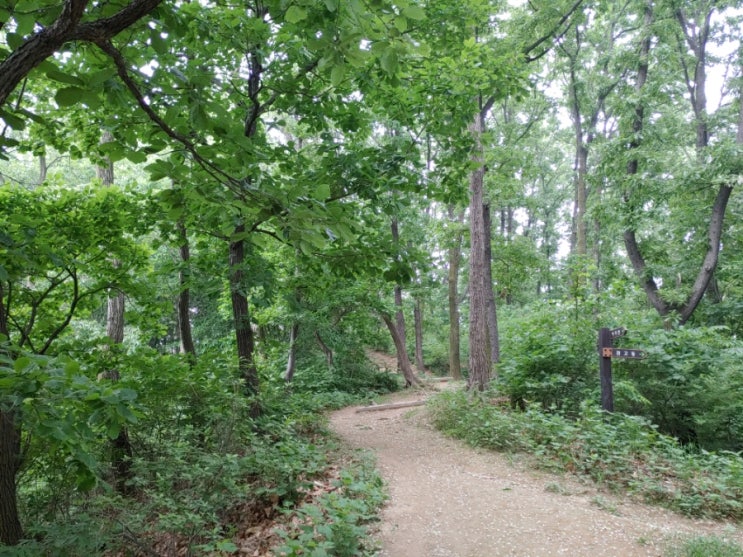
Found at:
[207, 478]
[615, 450]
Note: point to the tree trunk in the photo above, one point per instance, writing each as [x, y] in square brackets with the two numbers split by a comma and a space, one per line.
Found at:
[418, 319]
[121, 448]
[291, 362]
[697, 43]
[479, 362]
[42, 169]
[325, 349]
[67, 27]
[184, 295]
[11, 531]
[399, 315]
[455, 256]
[402, 355]
[241, 319]
[492, 313]
[10, 459]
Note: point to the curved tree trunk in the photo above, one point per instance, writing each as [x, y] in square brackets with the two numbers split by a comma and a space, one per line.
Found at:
[325, 349]
[406, 368]
[697, 42]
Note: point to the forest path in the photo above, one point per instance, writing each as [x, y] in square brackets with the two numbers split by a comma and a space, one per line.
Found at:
[449, 500]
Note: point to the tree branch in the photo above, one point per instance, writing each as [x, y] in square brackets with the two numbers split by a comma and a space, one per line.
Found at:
[65, 28]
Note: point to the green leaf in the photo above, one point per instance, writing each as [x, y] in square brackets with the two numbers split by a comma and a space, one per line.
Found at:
[389, 61]
[331, 5]
[322, 192]
[61, 77]
[68, 96]
[337, 74]
[401, 24]
[414, 12]
[21, 363]
[295, 14]
[12, 120]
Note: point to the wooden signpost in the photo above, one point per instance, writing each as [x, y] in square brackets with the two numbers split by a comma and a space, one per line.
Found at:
[606, 353]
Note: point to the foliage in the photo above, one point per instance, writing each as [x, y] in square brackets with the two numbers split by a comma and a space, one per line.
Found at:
[706, 546]
[335, 525]
[618, 451]
[548, 356]
[64, 415]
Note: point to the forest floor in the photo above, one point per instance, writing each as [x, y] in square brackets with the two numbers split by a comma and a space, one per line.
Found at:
[447, 499]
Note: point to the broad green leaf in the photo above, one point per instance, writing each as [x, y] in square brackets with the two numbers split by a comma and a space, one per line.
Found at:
[389, 61]
[295, 14]
[337, 74]
[12, 120]
[69, 96]
[414, 12]
[322, 192]
[61, 77]
[331, 5]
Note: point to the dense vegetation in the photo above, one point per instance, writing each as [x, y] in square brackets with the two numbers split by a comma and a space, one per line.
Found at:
[209, 211]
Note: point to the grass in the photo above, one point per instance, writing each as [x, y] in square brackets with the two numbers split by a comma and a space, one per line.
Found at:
[705, 546]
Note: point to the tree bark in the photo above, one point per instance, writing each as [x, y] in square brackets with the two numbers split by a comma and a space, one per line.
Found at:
[455, 256]
[325, 349]
[291, 362]
[185, 335]
[402, 355]
[492, 312]
[479, 362]
[66, 28]
[697, 42]
[121, 447]
[241, 320]
[418, 324]
[11, 531]
[399, 315]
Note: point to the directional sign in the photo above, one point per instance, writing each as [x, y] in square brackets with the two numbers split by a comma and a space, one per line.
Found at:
[623, 353]
[618, 332]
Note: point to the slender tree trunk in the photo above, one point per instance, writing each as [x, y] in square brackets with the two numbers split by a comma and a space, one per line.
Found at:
[455, 256]
[291, 362]
[418, 319]
[241, 319]
[479, 362]
[399, 315]
[42, 169]
[492, 313]
[184, 295]
[121, 448]
[402, 355]
[325, 349]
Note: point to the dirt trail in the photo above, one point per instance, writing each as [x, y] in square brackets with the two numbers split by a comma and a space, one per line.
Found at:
[448, 500]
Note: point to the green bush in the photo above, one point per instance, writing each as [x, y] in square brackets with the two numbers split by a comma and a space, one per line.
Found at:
[548, 357]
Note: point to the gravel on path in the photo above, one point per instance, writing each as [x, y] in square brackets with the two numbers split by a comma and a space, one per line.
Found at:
[449, 500]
